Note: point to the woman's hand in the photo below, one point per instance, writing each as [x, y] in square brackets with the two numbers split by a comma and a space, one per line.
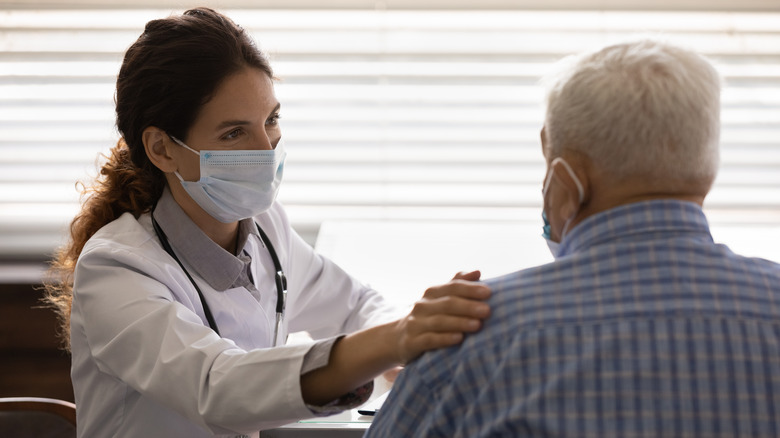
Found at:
[443, 316]
[438, 320]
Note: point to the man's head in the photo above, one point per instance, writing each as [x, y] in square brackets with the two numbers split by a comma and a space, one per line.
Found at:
[634, 121]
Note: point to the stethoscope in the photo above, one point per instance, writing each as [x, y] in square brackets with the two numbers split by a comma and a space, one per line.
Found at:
[281, 280]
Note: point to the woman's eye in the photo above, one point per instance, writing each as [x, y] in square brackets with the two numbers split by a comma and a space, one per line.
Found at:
[232, 134]
[274, 119]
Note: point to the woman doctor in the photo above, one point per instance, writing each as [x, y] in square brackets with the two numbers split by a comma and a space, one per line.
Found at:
[183, 276]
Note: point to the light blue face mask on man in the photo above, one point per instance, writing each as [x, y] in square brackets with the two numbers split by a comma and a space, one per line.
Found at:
[236, 184]
[553, 246]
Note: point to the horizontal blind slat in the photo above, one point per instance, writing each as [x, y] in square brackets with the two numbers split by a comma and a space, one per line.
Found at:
[401, 115]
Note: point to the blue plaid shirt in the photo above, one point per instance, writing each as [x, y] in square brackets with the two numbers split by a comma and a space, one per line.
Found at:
[643, 328]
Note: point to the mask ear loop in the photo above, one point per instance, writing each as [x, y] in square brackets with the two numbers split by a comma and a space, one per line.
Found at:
[580, 189]
[547, 181]
[181, 143]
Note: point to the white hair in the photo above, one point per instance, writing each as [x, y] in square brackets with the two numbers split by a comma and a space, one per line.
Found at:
[640, 109]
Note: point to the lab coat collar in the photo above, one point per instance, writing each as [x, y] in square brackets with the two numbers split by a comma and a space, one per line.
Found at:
[219, 268]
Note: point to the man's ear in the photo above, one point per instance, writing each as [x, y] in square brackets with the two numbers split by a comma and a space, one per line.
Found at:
[156, 146]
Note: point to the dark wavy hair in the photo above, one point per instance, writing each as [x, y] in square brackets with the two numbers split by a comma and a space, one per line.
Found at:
[167, 75]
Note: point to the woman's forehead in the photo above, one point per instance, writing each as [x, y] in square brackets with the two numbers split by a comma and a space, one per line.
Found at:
[246, 95]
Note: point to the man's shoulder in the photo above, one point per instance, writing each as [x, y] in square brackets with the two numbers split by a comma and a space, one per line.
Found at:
[509, 293]
[512, 292]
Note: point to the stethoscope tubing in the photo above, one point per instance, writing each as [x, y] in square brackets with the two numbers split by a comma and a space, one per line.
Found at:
[279, 278]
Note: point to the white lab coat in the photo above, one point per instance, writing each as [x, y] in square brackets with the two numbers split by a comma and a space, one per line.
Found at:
[145, 364]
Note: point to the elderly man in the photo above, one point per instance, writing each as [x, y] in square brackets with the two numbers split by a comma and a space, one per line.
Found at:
[642, 326]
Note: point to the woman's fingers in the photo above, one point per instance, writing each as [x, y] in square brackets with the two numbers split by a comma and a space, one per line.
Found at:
[468, 276]
[459, 288]
[413, 345]
[451, 305]
[442, 317]
[443, 323]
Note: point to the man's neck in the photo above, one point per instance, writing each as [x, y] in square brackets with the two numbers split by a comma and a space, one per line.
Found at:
[608, 194]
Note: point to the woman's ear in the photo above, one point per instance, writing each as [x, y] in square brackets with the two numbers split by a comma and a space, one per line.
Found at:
[156, 147]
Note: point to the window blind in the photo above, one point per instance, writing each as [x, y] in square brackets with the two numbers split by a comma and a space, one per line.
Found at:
[388, 114]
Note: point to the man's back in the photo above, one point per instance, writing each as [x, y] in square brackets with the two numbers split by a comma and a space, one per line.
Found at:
[644, 327]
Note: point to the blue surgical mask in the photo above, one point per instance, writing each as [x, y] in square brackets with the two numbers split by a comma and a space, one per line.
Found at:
[236, 184]
[553, 246]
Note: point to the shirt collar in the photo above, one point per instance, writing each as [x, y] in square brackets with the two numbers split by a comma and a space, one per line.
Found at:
[638, 221]
[219, 268]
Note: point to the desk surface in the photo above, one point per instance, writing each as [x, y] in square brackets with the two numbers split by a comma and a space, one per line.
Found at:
[347, 424]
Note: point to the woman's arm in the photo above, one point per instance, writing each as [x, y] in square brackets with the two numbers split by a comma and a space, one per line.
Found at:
[438, 320]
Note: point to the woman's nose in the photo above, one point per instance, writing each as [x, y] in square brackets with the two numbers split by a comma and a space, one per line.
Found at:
[262, 141]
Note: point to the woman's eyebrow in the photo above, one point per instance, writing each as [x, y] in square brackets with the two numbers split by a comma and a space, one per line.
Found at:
[226, 123]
